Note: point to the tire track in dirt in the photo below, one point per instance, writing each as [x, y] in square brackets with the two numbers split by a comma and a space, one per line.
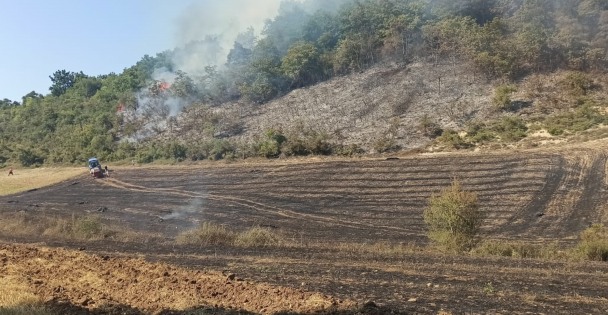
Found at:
[523, 220]
[252, 205]
[594, 194]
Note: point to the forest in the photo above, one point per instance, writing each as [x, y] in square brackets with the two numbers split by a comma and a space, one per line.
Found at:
[82, 116]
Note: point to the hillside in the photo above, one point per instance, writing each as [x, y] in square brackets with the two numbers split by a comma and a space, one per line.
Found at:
[358, 108]
[392, 102]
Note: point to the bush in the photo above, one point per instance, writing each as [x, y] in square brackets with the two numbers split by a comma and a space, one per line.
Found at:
[29, 158]
[454, 219]
[478, 133]
[257, 237]
[349, 150]
[594, 243]
[502, 97]
[510, 129]
[428, 127]
[301, 141]
[207, 234]
[578, 83]
[385, 144]
[582, 119]
[452, 139]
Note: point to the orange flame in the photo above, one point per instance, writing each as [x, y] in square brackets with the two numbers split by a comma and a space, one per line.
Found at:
[164, 85]
[121, 107]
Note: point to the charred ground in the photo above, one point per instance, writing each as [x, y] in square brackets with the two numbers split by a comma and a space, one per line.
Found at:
[360, 203]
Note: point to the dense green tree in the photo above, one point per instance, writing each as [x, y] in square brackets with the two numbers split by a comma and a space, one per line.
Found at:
[302, 64]
[62, 81]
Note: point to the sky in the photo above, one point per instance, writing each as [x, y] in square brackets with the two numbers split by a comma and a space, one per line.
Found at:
[97, 37]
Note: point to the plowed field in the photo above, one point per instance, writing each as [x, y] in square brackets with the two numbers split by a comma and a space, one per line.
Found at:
[530, 196]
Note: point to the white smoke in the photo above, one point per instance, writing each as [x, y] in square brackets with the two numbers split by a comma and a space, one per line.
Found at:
[217, 24]
[194, 207]
[204, 34]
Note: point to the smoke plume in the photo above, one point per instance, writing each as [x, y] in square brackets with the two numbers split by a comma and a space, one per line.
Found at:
[214, 25]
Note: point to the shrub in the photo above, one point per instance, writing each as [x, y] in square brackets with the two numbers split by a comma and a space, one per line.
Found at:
[28, 158]
[349, 150]
[502, 97]
[207, 234]
[510, 129]
[582, 119]
[452, 139]
[428, 127]
[302, 141]
[454, 218]
[578, 83]
[478, 133]
[384, 144]
[257, 237]
[594, 243]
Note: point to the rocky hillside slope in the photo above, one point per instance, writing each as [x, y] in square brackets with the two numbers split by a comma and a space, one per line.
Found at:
[361, 108]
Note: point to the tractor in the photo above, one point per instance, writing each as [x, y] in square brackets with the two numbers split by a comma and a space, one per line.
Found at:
[95, 168]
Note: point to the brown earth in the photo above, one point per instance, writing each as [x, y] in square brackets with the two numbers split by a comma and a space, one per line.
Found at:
[70, 280]
[362, 203]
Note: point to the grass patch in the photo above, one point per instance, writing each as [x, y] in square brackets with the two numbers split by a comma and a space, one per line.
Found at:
[258, 237]
[207, 234]
[583, 118]
[27, 179]
[16, 298]
[517, 250]
[378, 250]
[88, 227]
[593, 244]
[214, 234]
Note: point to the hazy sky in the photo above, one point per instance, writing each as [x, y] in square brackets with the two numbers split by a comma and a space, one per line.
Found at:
[39, 37]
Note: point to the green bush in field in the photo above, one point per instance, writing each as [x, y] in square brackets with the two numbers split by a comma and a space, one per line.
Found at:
[594, 243]
[454, 219]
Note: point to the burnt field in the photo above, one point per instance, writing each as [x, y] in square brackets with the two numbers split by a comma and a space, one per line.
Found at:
[531, 197]
[352, 201]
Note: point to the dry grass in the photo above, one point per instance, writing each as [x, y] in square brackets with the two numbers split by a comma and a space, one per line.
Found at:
[214, 234]
[26, 179]
[17, 299]
[89, 227]
[258, 237]
[207, 234]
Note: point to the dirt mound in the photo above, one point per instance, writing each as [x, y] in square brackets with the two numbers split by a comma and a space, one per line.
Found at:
[80, 281]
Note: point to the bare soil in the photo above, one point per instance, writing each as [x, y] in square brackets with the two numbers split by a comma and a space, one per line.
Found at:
[360, 202]
[73, 282]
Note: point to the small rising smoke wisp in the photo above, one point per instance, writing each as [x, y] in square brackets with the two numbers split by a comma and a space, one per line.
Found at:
[193, 207]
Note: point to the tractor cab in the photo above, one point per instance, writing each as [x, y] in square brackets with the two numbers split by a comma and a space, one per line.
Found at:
[95, 168]
[94, 163]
